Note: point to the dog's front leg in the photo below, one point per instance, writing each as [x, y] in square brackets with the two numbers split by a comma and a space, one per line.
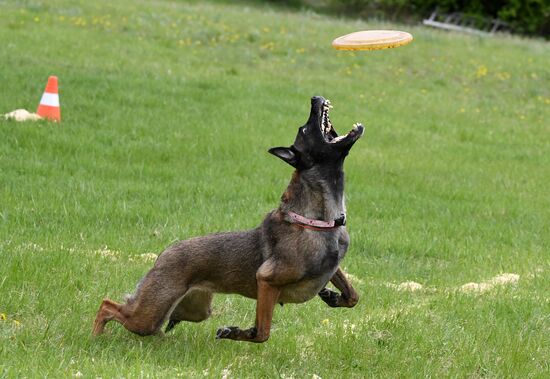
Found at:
[348, 296]
[266, 300]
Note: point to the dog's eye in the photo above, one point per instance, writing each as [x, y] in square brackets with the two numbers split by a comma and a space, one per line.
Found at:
[304, 130]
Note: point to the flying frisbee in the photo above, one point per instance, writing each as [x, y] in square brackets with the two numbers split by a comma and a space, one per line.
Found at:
[372, 40]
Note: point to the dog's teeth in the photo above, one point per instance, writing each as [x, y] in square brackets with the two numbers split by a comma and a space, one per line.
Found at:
[338, 138]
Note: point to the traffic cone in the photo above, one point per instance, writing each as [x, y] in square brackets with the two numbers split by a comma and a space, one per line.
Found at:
[49, 103]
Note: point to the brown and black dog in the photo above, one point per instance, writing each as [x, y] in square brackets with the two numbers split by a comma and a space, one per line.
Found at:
[289, 258]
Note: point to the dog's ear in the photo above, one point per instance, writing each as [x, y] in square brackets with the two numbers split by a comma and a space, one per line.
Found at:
[286, 154]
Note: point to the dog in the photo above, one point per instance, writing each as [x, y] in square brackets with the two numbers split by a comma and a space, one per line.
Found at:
[289, 258]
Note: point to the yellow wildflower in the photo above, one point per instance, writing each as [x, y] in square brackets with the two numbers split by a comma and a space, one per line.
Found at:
[481, 71]
[3, 317]
[268, 46]
[503, 75]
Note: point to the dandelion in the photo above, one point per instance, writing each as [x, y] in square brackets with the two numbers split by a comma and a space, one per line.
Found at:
[481, 71]
[182, 42]
[17, 323]
[3, 317]
[503, 75]
[268, 46]
[325, 322]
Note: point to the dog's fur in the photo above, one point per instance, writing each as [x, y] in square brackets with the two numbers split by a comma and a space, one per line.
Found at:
[277, 262]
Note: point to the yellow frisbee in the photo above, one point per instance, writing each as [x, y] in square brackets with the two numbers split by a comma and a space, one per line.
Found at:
[372, 40]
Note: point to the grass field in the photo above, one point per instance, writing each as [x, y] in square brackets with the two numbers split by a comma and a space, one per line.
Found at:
[168, 110]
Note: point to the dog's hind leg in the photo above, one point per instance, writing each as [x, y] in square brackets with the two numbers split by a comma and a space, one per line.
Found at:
[348, 296]
[108, 310]
[195, 306]
[146, 311]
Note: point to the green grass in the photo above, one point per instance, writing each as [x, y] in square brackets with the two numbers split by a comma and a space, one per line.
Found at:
[168, 110]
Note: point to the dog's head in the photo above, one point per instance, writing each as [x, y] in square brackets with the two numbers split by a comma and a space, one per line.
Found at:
[317, 143]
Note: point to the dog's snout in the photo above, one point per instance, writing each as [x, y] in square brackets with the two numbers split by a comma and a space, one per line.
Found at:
[317, 100]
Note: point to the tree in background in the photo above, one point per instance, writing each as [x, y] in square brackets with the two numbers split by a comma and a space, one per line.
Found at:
[531, 17]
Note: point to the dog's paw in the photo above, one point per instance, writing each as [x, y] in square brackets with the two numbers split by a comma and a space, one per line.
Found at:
[235, 333]
[227, 332]
[330, 297]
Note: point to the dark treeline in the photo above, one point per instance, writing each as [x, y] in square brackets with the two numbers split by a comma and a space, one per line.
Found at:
[528, 17]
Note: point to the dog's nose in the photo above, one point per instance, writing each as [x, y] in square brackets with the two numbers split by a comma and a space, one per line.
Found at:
[317, 100]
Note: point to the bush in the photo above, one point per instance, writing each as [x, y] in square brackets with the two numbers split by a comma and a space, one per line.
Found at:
[530, 17]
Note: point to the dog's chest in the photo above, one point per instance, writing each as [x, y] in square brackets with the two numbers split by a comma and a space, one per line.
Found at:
[319, 257]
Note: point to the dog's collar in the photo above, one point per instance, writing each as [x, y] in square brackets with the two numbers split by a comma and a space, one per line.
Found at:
[309, 223]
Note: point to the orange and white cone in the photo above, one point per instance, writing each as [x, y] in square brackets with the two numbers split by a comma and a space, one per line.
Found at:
[49, 103]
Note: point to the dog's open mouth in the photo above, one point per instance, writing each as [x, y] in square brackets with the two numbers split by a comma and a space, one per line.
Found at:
[327, 130]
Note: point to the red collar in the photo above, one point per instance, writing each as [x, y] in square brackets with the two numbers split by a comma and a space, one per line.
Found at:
[309, 223]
